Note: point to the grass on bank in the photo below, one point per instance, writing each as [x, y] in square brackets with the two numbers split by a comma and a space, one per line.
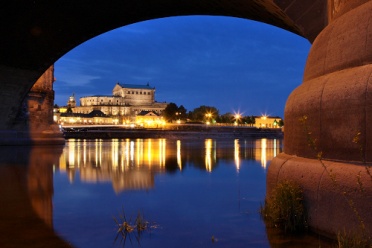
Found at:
[353, 240]
[285, 208]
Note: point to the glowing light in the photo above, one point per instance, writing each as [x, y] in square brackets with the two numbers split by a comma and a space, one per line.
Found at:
[208, 155]
[115, 153]
[98, 150]
[237, 154]
[179, 159]
[237, 117]
[162, 148]
[131, 151]
[85, 152]
[149, 152]
[263, 153]
[71, 154]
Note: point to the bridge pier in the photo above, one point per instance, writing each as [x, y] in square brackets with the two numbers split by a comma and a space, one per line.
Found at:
[328, 138]
[27, 113]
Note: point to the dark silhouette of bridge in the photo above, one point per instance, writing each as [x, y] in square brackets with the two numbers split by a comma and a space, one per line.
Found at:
[328, 117]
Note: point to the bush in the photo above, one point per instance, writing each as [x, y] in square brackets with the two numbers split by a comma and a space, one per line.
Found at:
[285, 208]
[353, 240]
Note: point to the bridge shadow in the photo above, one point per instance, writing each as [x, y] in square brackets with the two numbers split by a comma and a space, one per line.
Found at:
[26, 192]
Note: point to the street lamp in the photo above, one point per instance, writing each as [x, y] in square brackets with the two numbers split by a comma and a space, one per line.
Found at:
[237, 117]
[209, 116]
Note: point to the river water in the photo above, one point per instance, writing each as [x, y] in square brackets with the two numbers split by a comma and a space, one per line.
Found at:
[190, 193]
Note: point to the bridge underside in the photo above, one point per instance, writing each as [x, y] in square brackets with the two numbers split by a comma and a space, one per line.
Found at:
[328, 117]
[37, 33]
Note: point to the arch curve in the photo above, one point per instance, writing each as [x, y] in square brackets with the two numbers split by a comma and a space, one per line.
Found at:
[40, 32]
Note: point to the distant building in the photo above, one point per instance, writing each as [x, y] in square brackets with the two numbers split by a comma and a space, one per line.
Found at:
[267, 121]
[126, 102]
[149, 119]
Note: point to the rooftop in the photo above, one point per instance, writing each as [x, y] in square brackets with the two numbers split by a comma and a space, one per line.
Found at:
[136, 86]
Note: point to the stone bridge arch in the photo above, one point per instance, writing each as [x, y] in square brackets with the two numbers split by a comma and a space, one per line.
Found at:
[37, 33]
[328, 116]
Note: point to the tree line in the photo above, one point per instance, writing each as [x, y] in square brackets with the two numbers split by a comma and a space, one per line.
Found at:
[206, 114]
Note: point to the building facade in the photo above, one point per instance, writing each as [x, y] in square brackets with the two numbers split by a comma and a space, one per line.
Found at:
[267, 121]
[126, 102]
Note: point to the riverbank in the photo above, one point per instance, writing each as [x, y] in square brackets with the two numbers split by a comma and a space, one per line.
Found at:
[171, 132]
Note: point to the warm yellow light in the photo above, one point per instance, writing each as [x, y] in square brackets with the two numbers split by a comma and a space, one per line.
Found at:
[237, 154]
[208, 155]
[179, 159]
[263, 153]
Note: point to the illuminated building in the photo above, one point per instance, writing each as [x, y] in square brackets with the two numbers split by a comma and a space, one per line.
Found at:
[126, 102]
[149, 119]
[267, 121]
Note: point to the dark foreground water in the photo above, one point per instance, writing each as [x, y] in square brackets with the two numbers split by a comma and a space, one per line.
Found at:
[192, 193]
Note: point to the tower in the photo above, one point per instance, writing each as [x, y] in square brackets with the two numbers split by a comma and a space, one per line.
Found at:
[71, 101]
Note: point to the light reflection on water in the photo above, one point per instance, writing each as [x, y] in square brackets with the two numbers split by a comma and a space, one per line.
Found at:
[107, 161]
[193, 189]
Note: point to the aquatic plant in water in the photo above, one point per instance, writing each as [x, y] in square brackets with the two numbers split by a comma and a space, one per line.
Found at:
[125, 227]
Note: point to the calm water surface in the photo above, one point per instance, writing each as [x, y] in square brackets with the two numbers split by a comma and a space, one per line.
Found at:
[193, 193]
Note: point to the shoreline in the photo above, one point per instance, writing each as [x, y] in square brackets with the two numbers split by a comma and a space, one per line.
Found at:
[177, 132]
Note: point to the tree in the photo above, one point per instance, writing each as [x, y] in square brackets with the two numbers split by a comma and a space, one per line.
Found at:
[169, 112]
[280, 123]
[204, 113]
[173, 112]
[182, 113]
[250, 120]
[225, 118]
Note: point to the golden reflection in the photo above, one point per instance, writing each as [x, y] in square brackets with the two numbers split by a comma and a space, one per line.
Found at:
[84, 152]
[266, 150]
[131, 152]
[115, 152]
[139, 152]
[98, 149]
[263, 153]
[128, 164]
[71, 154]
[78, 153]
[149, 154]
[237, 154]
[131, 164]
[179, 159]
[208, 155]
[162, 152]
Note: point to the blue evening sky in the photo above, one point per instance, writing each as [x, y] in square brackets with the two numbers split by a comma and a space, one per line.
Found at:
[233, 64]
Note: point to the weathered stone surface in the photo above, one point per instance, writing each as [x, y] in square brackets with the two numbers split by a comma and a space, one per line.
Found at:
[344, 43]
[337, 195]
[335, 94]
[336, 106]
